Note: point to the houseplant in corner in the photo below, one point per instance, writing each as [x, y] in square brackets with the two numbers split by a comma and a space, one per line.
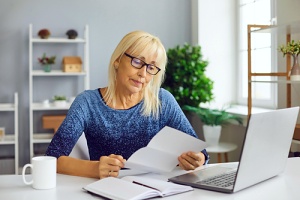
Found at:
[185, 76]
[213, 120]
[292, 48]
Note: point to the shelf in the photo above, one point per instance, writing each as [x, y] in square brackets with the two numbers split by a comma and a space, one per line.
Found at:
[58, 40]
[8, 139]
[278, 81]
[56, 73]
[41, 138]
[41, 106]
[12, 138]
[79, 47]
[7, 107]
[290, 28]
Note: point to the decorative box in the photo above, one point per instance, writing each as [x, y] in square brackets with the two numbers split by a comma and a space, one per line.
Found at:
[72, 64]
[53, 121]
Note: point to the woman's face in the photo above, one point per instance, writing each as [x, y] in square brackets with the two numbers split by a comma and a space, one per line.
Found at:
[130, 80]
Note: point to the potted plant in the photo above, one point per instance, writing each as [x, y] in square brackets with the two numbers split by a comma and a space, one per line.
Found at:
[46, 62]
[59, 101]
[185, 76]
[213, 120]
[292, 48]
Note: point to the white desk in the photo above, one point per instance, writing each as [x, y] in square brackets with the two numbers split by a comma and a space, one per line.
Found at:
[222, 147]
[286, 186]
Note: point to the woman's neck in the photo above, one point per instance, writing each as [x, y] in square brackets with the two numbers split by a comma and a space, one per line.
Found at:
[123, 101]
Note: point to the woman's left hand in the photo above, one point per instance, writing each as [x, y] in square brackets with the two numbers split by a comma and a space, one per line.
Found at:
[191, 160]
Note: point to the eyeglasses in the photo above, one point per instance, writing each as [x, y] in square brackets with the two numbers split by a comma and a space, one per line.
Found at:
[137, 63]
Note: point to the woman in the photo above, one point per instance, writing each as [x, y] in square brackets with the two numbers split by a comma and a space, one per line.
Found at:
[124, 116]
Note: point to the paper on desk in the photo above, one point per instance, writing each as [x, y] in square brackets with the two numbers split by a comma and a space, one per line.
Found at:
[161, 154]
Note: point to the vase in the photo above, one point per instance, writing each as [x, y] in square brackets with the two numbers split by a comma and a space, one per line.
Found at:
[212, 134]
[60, 103]
[47, 68]
[295, 70]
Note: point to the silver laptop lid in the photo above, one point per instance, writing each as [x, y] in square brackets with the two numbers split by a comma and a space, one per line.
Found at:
[266, 146]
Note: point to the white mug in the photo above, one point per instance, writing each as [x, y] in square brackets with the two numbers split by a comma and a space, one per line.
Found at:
[43, 170]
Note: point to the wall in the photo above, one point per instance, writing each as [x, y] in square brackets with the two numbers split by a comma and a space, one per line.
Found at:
[215, 30]
[108, 20]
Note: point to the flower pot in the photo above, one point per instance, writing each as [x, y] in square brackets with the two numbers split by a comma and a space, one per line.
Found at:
[47, 68]
[212, 134]
[60, 103]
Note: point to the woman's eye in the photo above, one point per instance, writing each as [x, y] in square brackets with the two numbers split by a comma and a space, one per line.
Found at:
[151, 67]
[137, 61]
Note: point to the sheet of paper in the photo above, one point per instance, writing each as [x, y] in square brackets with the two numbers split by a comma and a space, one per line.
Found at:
[162, 152]
[175, 142]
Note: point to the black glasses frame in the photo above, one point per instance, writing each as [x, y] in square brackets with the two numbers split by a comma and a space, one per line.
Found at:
[142, 65]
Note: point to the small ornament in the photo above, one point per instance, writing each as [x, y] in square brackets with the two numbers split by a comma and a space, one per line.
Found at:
[72, 34]
[44, 33]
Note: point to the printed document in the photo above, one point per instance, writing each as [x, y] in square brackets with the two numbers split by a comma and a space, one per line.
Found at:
[161, 154]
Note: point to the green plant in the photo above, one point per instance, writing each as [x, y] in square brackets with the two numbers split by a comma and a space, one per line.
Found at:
[47, 60]
[185, 76]
[292, 48]
[59, 98]
[214, 117]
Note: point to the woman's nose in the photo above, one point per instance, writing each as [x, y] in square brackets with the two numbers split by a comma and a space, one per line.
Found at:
[143, 71]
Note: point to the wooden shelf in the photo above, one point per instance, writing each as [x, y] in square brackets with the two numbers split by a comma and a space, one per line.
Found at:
[286, 30]
[289, 28]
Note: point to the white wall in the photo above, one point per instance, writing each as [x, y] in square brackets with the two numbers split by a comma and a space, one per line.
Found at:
[108, 20]
[216, 34]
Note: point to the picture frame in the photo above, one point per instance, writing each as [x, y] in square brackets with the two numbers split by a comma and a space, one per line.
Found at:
[2, 133]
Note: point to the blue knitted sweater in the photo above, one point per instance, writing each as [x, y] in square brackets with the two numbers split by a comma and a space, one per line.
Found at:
[109, 131]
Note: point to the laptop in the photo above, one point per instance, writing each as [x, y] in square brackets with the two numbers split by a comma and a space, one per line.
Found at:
[264, 155]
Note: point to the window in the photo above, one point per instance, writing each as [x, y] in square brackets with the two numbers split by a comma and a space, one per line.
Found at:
[261, 12]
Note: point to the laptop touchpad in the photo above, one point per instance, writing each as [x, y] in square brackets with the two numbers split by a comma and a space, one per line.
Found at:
[202, 174]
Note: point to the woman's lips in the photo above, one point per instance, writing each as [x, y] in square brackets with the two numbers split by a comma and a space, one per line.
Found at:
[137, 83]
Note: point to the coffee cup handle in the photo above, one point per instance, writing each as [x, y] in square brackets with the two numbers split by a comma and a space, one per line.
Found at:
[23, 174]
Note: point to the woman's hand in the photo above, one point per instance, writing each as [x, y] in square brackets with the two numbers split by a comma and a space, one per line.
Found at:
[191, 160]
[110, 165]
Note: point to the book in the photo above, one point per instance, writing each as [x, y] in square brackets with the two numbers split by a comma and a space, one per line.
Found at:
[161, 154]
[134, 188]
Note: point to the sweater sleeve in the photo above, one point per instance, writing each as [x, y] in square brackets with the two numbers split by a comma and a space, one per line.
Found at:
[70, 130]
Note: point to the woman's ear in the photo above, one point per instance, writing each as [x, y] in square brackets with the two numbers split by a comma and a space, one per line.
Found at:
[116, 64]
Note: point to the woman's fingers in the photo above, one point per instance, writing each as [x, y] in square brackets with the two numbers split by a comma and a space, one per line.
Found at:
[110, 165]
[191, 160]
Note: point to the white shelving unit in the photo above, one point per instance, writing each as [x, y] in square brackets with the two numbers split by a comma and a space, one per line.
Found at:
[39, 137]
[12, 139]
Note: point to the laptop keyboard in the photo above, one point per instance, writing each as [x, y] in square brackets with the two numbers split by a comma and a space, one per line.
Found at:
[223, 180]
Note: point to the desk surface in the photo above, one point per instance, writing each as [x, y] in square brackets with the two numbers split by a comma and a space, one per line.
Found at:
[284, 186]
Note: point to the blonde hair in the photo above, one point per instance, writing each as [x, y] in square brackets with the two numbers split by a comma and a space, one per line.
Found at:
[136, 42]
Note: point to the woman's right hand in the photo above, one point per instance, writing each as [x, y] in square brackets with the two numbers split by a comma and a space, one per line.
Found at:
[110, 165]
